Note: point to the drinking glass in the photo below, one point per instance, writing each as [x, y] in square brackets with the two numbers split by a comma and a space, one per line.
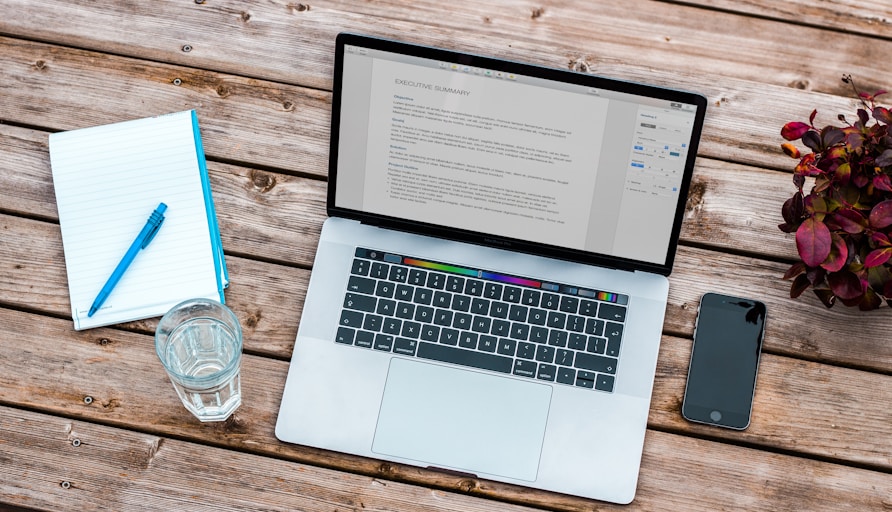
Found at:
[199, 342]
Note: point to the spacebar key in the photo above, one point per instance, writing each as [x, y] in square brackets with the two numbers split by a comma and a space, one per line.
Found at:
[449, 354]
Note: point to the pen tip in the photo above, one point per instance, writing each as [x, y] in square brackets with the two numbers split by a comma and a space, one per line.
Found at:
[92, 310]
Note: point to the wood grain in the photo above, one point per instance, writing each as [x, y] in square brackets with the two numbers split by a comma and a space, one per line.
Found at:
[52, 369]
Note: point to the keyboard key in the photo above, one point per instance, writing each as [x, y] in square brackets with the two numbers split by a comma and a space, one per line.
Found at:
[596, 345]
[364, 339]
[379, 270]
[588, 308]
[498, 310]
[351, 318]
[557, 338]
[563, 357]
[383, 342]
[550, 301]
[345, 335]
[545, 354]
[492, 291]
[569, 304]
[480, 306]
[424, 314]
[538, 334]
[575, 323]
[481, 324]
[417, 277]
[566, 376]
[526, 350]
[360, 302]
[612, 312]
[517, 313]
[530, 298]
[372, 323]
[404, 292]
[585, 379]
[461, 303]
[511, 294]
[614, 333]
[612, 348]
[404, 346]
[360, 267]
[405, 310]
[525, 368]
[577, 341]
[470, 358]
[442, 299]
[537, 316]
[398, 274]
[520, 331]
[488, 343]
[604, 383]
[436, 281]
[595, 363]
[467, 340]
[443, 317]
[507, 346]
[430, 333]
[411, 330]
[546, 372]
[449, 337]
[474, 287]
[455, 284]
[423, 296]
[501, 328]
[384, 289]
[386, 307]
[391, 326]
[594, 326]
[462, 321]
[556, 320]
[361, 285]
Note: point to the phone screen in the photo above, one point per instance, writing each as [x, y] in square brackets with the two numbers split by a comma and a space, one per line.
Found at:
[724, 361]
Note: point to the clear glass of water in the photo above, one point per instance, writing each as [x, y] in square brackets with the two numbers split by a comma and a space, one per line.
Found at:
[199, 342]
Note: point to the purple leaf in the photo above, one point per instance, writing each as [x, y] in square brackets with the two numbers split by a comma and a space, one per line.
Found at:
[812, 140]
[826, 296]
[832, 136]
[793, 209]
[849, 220]
[871, 301]
[800, 284]
[839, 254]
[863, 116]
[885, 158]
[878, 257]
[845, 285]
[813, 242]
[794, 130]
[797, 269]
[881, 214]
[882, 115]
[882, 182]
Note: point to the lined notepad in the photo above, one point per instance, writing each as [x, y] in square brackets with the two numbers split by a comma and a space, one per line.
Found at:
[108, 180]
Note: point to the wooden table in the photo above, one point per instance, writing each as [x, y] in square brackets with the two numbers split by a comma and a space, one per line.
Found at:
[88, 420]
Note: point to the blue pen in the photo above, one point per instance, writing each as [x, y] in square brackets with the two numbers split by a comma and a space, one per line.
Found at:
[142, 241]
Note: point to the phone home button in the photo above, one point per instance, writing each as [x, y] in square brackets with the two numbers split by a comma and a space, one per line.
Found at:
[715, 416]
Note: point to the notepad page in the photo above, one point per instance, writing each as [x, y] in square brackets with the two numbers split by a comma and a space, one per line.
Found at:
[108, 181]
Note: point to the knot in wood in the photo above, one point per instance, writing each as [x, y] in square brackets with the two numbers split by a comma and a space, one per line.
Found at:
[537, 12]
[299, 7]
[253, 319]
[580, 64]
[288, 106]
[262, 181]
[246, 16]
[40, 65]
[223, 91]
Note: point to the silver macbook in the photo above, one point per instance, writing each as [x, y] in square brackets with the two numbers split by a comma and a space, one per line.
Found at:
[489, 289]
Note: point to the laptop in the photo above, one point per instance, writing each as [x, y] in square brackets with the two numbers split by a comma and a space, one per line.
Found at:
[489, 288]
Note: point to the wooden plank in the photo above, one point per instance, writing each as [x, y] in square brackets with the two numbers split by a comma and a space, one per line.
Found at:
[262, 39]
[871, 18]
[267, 298]
[51, 369]
[52, 463]
[286, 127]
[242, 120]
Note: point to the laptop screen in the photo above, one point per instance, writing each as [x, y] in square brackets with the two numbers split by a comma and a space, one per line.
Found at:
[516, 155]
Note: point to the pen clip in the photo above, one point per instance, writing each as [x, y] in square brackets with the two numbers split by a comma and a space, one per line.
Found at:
[155, 220]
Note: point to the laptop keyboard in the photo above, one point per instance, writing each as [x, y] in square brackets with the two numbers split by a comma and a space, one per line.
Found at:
[506, 324]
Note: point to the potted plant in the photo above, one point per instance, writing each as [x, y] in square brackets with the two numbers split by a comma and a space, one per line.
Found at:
[843, 223]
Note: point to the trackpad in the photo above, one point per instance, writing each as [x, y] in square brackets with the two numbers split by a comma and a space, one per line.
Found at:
[462, 419]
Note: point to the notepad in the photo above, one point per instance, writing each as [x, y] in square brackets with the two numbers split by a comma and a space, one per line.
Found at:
[108, 180]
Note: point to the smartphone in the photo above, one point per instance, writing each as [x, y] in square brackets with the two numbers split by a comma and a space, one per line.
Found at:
[724, 361]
